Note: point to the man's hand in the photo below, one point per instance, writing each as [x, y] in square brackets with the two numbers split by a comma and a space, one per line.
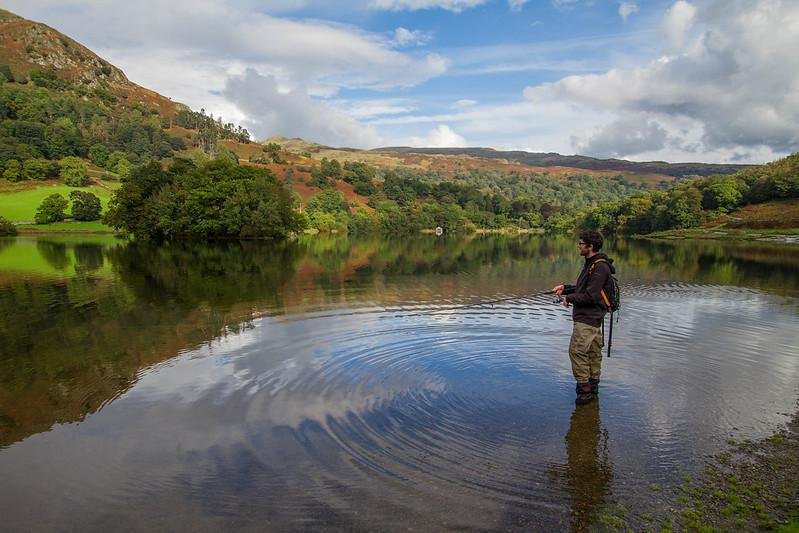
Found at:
[558, 289]
[565, 303]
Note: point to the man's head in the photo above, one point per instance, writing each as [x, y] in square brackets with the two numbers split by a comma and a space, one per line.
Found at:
[590, 242]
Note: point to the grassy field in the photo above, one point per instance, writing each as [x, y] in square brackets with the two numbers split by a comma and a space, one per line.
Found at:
[19, 201]
[20, 205]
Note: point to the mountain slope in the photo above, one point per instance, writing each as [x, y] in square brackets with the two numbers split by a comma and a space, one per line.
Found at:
[27, 46]
[578, 161]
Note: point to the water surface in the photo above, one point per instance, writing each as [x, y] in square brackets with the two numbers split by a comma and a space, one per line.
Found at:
[363, 385]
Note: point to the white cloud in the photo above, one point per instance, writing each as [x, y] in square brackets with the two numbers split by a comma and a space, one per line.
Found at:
[404, 37]
[455, 6]
[679, 19]
[465, 102]
[293, 113]
[374, 107]
[735, 83]
[516, 5]
[626, 9]
[321, 56]
[442, 136]
[525, 125]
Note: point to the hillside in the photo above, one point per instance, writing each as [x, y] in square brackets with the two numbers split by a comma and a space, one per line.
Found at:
[578, 161]
[428, 159]
[27, 46]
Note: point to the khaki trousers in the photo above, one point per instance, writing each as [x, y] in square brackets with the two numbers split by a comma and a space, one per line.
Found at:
[585, 352]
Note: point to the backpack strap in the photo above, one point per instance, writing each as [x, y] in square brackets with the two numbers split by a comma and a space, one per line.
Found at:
[601, 291]
[593, 265]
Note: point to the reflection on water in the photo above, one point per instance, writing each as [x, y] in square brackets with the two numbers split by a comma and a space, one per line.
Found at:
[356, 385]
[588, 468]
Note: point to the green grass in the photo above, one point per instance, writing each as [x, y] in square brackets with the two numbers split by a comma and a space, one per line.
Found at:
[20, 206]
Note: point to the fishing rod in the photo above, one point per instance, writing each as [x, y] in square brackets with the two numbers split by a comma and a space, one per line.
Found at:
[508, 299]
[558, 300]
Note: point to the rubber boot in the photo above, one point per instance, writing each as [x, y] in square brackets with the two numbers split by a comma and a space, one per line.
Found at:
[594, 386]
[584, 394]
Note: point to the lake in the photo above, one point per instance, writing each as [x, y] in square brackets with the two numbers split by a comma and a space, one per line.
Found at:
[371, 385]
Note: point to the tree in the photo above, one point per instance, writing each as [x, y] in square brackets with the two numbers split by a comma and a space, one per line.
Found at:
[74, 171]
[85, 205]
[328, 201]
[63, 139]
[13, 171]
[52, 209]
[723, 192]
[224, 153]
[99, 153]
[331, 168]
[38, 169]
[273, 151]
[363, 222]
[685, 207]
[318, 179]
[118, 164]
[215, 200]
[364, 188]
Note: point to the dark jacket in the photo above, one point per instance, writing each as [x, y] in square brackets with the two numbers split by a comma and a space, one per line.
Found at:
[584, 295]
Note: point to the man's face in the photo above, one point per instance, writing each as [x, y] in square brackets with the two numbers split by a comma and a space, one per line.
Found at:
[585, 249]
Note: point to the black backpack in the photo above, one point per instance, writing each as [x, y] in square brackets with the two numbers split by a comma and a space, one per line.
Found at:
[611, 293]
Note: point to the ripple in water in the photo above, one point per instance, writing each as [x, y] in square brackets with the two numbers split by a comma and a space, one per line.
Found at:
[435, 416]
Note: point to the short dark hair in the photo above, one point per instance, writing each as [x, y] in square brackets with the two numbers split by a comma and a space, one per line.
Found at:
[594, 238]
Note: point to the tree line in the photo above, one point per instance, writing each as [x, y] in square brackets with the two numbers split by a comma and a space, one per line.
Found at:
[404, 200]
[693, 202]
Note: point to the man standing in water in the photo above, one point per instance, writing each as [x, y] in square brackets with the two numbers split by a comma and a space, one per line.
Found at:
[589, 296]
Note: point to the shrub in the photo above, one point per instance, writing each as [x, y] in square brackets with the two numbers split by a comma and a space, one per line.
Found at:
[52, 209]
[38, 169]
[74, 171]
[47, 78]
[7, 227]
[85, 205]
[364, 188]
[13, 171]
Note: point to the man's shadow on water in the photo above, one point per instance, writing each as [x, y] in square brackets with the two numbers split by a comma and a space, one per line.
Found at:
[585, 478]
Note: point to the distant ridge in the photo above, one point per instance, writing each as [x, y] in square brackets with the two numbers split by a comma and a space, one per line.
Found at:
[552, 159]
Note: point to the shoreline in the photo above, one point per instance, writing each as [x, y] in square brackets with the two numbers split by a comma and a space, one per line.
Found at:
[781, 236]
[752, 485]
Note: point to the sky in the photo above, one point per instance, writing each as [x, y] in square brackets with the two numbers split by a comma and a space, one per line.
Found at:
[700, 80]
